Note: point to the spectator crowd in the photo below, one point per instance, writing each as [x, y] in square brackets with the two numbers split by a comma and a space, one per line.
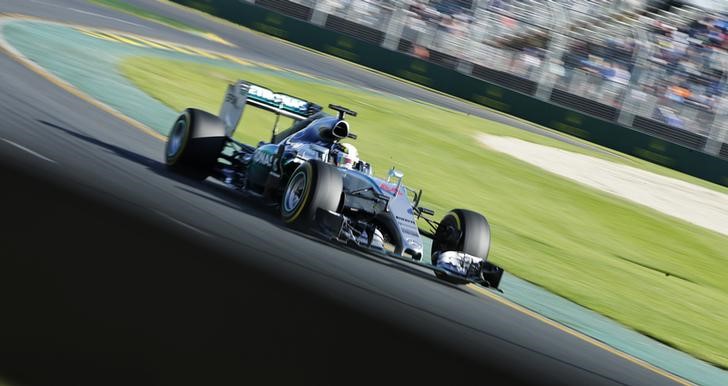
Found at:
[671, 64]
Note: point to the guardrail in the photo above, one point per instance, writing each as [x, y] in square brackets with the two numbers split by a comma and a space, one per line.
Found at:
[647, 139]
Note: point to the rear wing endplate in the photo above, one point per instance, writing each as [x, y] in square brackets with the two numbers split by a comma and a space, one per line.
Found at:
[244, 93]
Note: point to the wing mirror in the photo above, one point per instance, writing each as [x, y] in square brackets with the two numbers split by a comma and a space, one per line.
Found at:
[395, 174]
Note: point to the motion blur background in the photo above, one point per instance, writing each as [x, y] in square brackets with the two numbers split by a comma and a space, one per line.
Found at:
[655, 66]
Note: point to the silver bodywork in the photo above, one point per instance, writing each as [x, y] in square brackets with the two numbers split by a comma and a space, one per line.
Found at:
[399, 206]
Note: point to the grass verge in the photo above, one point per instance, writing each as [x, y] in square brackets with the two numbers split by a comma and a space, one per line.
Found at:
[605, 253]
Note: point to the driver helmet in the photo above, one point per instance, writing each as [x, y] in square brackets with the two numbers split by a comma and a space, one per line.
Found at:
[347, 156]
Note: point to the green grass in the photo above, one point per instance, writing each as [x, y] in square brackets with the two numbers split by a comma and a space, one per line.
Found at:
[600, 251]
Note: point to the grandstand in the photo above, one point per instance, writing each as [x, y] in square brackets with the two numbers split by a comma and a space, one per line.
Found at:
[660, 70]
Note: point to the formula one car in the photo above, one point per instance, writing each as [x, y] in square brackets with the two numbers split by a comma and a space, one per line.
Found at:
[321, 186]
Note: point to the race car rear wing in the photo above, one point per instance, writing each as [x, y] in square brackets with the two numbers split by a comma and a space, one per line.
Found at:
[244, 93]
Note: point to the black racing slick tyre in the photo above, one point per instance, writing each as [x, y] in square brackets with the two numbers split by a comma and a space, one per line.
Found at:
[194, 144]
[313, 185]
[462, 230]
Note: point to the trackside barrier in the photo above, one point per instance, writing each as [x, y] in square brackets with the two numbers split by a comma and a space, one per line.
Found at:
[587, 127]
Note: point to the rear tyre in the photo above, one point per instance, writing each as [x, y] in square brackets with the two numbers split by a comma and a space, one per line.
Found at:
[195, 142]
[461, 230]
[314, 185]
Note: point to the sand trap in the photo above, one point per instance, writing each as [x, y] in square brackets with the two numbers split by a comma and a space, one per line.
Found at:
[680, 199]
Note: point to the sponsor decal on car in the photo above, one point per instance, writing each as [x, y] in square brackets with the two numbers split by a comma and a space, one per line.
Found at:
[388, 188]
[271, 98]
[391, 189]
[406, 220]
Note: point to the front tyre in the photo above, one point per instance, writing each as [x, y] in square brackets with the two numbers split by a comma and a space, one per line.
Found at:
[314, 185]
[461, 230]
[194, 144]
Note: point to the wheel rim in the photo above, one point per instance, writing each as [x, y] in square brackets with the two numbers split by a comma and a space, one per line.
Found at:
[294, 192]
[176, 137]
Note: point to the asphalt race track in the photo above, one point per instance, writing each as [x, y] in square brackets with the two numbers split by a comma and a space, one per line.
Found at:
[113, 271]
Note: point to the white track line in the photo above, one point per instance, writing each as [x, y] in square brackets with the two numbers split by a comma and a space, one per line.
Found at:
[107, 17]
[182, 223]
[25, 149]
[88, 13]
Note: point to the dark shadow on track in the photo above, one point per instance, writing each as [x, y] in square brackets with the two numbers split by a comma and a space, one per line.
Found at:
[94, 296]
[152, 164]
